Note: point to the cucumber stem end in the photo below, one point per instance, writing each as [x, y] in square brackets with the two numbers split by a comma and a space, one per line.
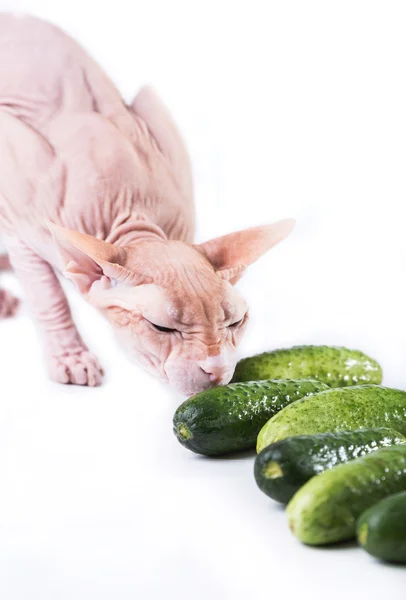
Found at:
[363, 534]
[272, 470]
[184, 432]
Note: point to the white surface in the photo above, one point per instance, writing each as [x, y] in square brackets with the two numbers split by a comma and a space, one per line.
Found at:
[290, 109]
[99, 500]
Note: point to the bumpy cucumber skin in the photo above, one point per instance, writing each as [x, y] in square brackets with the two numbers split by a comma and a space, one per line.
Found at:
[325, 510]
[340, 409]
[381, 530]
[302, 457]
[336, 366]
[228, 418]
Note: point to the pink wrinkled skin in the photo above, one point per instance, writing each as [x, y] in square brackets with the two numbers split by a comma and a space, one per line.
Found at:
[102, 192]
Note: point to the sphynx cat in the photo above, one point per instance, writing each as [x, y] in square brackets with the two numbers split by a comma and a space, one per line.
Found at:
[102, 192]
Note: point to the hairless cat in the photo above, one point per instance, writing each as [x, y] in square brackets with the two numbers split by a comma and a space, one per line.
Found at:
[102, 192]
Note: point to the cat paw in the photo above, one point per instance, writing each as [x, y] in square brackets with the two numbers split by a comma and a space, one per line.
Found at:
[78, 368]
[8, 304]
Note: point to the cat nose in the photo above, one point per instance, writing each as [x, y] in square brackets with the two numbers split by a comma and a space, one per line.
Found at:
[215, 373]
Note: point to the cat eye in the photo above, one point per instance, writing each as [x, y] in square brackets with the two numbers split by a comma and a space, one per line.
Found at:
[160, 328]
[237, 323]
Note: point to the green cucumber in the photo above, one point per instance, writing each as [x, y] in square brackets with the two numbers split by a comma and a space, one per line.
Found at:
[381, 530]
[228, 418]
[325, 510]
[336, 366]
[340, 409]
[283, 467]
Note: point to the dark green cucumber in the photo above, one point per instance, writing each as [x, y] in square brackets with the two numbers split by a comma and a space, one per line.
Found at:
[283, 467]
[228, 418]
[341, 409]
[381, 530]
[338, 367]
[325, 510]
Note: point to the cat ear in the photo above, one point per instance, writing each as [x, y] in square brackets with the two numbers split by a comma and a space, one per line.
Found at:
[231, 254]
[149, 107]
[87, 259]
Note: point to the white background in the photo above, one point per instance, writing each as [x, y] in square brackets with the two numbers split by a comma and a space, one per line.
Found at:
[289, 109]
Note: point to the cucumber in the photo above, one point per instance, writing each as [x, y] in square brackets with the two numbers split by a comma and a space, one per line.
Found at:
[381, 530]
[338, 409]
[282, 468]
[325, 510]
[228, 419]
[336, 366]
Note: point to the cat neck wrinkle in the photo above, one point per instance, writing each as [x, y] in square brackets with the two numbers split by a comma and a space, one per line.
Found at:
[134, 229]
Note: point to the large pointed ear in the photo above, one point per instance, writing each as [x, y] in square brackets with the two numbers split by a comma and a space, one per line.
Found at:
[161, 125]
[87, 259]
[231, 254]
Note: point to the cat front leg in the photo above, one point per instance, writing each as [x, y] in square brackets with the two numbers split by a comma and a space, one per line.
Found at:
[68, 358]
